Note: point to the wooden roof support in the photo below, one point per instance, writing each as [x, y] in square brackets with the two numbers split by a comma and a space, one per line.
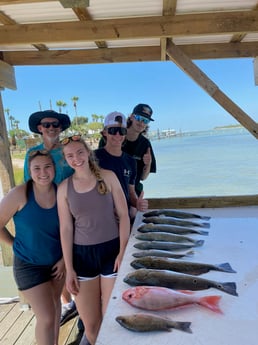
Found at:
[183, 61]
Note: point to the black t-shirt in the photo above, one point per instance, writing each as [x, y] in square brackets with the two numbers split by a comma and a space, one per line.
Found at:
[123, 166]
[137, 150]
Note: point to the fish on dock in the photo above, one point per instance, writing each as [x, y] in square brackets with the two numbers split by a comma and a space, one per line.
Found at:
[193, 268]
[177, 281]
[160, 245]
[175, 214]
[173, 221]
[164, 236]
[150, 227]
[146, 323]
[156, 298]
[162, 253]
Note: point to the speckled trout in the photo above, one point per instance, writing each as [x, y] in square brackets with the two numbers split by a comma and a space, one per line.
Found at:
[194, 268]
[173, 221]
[164, 236]
[177, 281]
[162, 253]
[174, 213]
[166, 245]
[150, 227]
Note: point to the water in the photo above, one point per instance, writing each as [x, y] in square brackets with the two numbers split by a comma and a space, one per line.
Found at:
[210, 163]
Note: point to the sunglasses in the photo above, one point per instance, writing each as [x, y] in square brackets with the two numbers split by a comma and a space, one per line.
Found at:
[67, 140]
[35, 153]
[141, 119]
[114, 130]
[54, 124]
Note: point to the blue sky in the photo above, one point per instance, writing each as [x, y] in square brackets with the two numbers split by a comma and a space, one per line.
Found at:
[177, 101]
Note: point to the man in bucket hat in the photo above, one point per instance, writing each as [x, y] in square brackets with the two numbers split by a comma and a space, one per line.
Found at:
[49, 124]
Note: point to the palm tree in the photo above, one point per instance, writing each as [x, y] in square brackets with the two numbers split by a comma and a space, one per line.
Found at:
[75, 100]
[60, 105]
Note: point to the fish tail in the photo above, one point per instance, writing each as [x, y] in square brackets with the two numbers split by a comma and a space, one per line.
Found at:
[182, 326]
[189, 253]
[225, 267]
[229, 288]
[203, 232]
[212, 303]
[205, 225]
[199, 243]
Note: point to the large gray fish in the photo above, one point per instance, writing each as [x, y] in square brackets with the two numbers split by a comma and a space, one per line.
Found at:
[164, 236]
[194, 268]
[162, 253]
[173, 213]
[173, 221]
[150, 227]
[177, 281]
[166, 245]
[146, 323]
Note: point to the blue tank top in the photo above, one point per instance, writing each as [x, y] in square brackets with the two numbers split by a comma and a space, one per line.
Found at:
[37, 235]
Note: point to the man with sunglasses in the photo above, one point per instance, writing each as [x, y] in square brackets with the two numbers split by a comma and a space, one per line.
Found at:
[113, 158]
[138, 146]
[49, 124]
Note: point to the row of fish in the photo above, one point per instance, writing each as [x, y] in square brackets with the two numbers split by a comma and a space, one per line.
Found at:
[159, 277]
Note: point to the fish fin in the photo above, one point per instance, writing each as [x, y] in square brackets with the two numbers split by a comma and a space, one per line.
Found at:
[199, 243]
[183, 326]
[225, 267]
[187, 292]
[212, 303]
[189, 253]
[205, 225]
[203, 232]
[229, 288]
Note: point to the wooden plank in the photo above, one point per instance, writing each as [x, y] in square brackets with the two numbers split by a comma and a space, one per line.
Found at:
[185, 63]
[7, 76]
[16, 331]
[204, 202]
[131, 28]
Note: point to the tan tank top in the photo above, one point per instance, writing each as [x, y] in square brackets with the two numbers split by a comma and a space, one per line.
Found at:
[94, 217]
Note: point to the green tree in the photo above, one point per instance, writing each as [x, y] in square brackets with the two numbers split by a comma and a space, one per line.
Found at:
[61, 104]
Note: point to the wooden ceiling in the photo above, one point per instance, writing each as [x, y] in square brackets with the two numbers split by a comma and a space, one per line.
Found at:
[43, 32]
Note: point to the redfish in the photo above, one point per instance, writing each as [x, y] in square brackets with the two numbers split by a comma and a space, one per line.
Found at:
[177, 281]
[161, 298]
[146, 323]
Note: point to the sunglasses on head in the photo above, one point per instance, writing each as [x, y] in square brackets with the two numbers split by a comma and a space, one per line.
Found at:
[141, 119]
[67, 140]
[35, 153]
[54, 124]
[114, 130]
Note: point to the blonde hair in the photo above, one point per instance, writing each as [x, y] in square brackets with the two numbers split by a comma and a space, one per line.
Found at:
[94, 167]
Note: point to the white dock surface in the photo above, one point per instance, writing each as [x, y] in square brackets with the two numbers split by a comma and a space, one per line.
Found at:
[233, 238]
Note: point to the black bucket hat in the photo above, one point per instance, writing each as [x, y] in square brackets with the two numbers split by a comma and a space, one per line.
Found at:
[35, 119]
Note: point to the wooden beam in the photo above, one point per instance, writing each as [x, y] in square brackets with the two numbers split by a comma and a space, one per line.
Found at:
[128, 54]
[7, 76]
[105, 55]
[204, 202]
[131, 28]
[183, 62]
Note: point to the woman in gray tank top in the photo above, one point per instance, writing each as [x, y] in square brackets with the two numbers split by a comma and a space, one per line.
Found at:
[95, 227]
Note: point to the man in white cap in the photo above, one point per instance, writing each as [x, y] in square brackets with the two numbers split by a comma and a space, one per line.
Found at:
[113, 158]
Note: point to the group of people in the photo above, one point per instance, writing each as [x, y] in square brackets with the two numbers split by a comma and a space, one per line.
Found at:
[62, 246]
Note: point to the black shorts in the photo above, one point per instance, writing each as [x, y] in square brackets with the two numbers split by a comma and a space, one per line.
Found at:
[28, 275]
[90, 261]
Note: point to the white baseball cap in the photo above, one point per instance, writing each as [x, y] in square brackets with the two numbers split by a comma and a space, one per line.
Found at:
[115, 118]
